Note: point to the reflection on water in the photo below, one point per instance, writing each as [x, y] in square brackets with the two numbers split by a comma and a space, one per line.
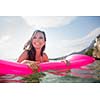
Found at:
[50, 78]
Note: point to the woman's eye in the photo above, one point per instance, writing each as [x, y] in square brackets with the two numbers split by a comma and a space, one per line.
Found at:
[37, 37]
[40, 37]
[34, 37]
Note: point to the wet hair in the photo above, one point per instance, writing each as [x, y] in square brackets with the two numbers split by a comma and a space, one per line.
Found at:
[30, 48]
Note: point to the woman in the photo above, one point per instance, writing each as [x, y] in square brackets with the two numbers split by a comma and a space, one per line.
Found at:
[34, 50]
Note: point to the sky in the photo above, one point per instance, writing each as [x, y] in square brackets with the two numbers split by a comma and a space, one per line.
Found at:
[65, 34]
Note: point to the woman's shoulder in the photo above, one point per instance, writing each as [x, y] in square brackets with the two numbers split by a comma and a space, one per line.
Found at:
[25, 52]
[44, 54]
[23, 56]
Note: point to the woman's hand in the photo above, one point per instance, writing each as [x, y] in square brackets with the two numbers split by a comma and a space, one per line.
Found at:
[67, 62]
[32, 64]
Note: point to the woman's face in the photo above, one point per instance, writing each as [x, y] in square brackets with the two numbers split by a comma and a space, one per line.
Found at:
[38, 40]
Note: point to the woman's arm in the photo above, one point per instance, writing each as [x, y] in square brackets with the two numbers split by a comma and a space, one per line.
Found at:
[23, 56]
[45, 58]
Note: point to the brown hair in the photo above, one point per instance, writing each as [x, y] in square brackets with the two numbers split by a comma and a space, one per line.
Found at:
[30, 48]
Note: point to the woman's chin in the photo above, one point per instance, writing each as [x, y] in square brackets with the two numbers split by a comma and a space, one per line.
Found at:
[37, 47]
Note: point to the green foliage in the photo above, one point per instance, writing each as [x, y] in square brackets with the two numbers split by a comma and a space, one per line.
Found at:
[34, 78]
[89, 52]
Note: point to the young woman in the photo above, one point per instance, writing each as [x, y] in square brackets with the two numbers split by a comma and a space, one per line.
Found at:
[34, 50]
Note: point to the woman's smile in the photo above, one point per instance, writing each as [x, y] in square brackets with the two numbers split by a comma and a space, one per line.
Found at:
[38, 40]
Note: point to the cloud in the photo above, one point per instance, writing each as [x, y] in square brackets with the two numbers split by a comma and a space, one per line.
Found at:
[94, 33]
[4, 45]
[75, 45]
[13, 25]
[4, 39]
[48, 22]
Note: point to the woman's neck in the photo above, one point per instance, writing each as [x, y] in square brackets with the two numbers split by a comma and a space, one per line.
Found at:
[38, 55]
[38, 52]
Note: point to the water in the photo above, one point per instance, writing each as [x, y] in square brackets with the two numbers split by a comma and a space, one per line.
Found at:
[50, 78]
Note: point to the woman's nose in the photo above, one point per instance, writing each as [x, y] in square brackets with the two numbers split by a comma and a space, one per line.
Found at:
[37, 40]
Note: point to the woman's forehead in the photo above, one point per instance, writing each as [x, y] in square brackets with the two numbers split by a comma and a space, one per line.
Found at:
[39, 34]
